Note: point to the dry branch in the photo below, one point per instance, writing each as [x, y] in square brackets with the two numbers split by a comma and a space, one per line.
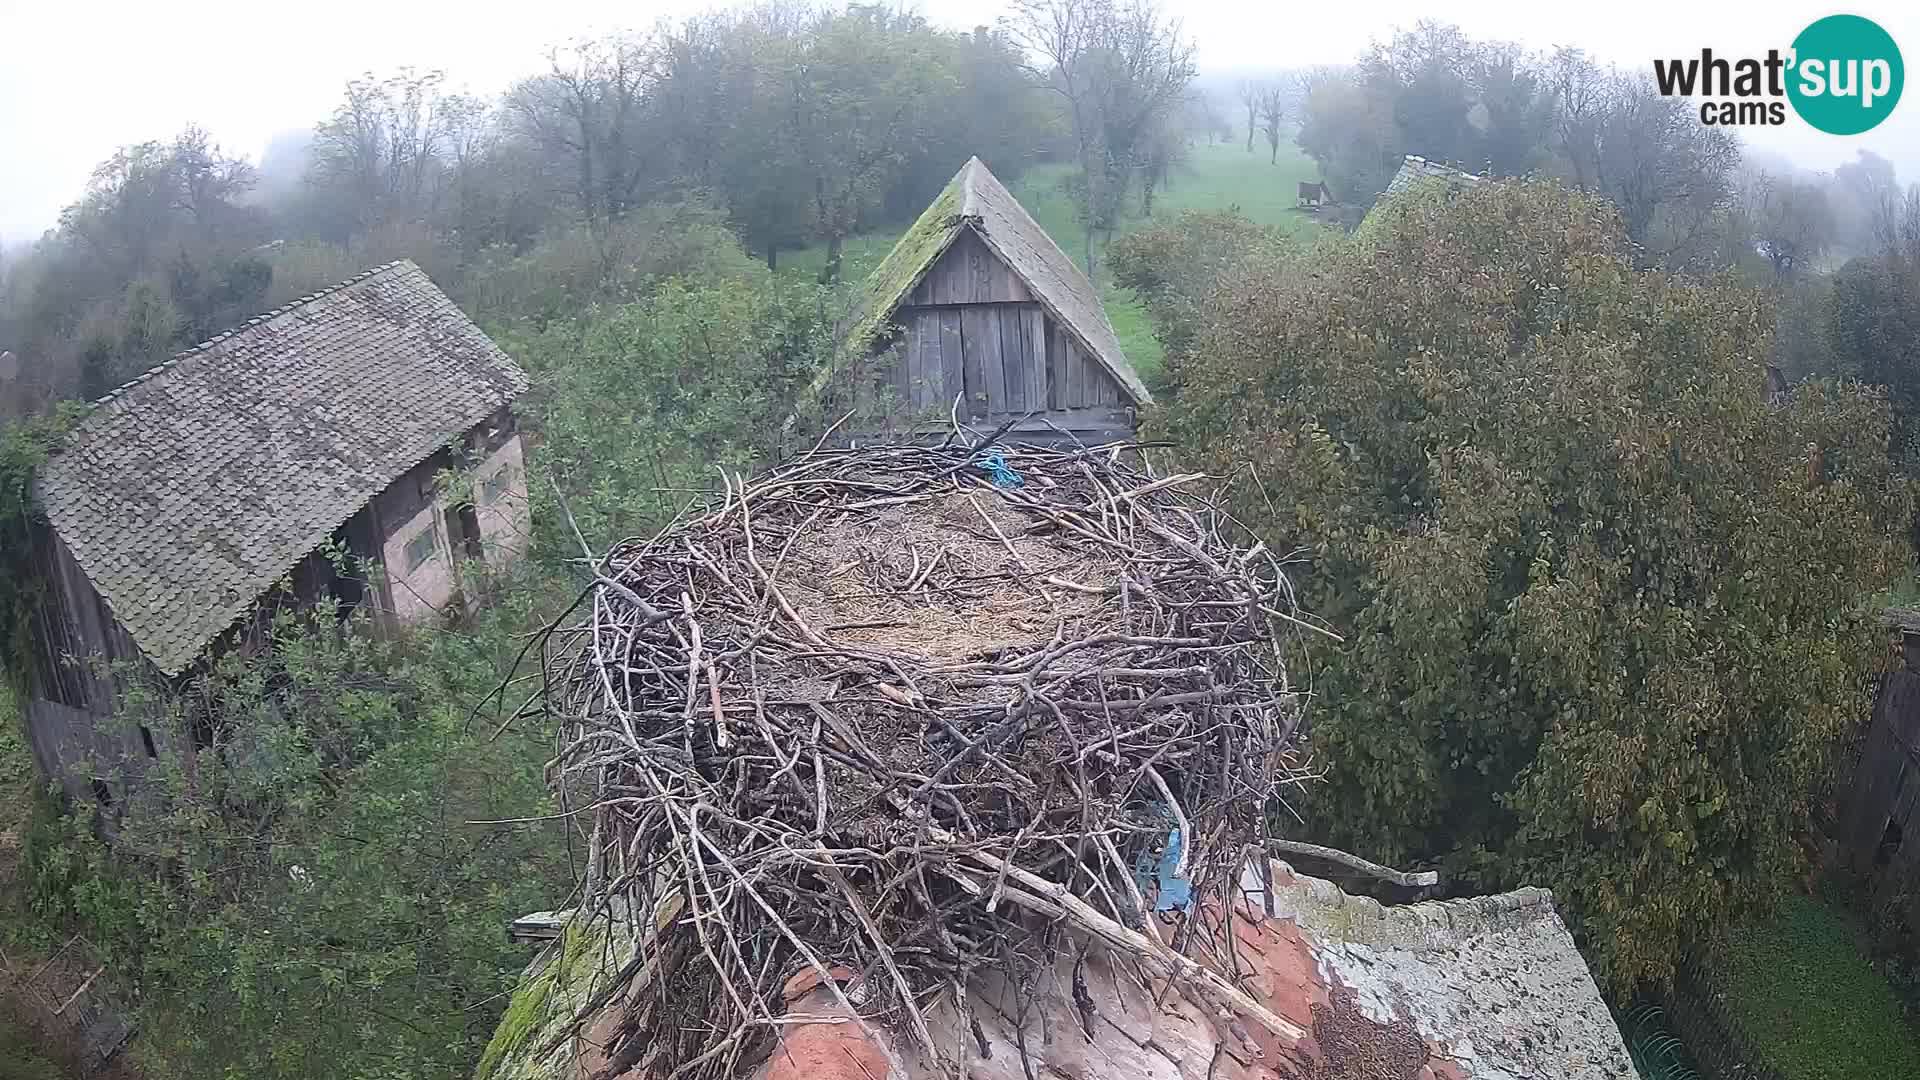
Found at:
[842, 713]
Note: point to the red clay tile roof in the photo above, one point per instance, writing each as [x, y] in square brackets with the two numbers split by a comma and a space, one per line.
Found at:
[1489, 988]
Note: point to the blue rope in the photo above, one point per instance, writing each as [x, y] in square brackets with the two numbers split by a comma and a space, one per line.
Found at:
[997, 468]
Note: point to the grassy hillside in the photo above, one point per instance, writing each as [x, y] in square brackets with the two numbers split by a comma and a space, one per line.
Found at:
[1218, 177]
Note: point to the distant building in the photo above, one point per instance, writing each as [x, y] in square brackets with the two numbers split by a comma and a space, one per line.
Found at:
[1415, 169]
[289, 461]
[978, 313]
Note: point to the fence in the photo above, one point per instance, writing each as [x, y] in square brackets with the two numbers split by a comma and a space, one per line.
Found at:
[65, 998]
[1702, 1022]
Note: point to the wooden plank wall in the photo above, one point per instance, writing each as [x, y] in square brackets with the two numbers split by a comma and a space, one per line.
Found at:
[1007, 359]
[971, 328]
[969, 273]
[73, 693]
[1885, 789]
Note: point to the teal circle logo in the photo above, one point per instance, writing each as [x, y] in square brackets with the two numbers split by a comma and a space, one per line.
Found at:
[1846, 74]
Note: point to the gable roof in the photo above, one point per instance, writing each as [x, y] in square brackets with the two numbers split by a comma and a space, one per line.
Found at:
[1415, 168]
[189, 491]
[975, 199]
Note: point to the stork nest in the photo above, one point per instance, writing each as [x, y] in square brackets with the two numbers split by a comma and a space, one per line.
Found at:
[885, 716]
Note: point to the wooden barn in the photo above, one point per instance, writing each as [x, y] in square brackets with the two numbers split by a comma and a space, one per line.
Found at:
[978, 315]
[302, 457]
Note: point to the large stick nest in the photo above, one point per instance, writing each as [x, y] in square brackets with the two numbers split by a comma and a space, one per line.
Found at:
[880, 712]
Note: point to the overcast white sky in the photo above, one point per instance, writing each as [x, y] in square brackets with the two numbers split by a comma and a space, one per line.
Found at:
[79, 78]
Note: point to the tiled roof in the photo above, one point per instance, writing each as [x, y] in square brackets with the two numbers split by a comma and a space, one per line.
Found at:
[187, 492]
[1488, 988]
[976, 199]
[1416, 168]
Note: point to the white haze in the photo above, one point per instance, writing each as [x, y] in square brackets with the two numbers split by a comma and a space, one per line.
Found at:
[78, 80]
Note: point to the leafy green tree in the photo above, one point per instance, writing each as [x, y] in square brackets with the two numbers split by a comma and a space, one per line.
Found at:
[867, 84]
[155, 253]
[1176, 268]
[1430, 91]
[1603, 606]
[1873, 322]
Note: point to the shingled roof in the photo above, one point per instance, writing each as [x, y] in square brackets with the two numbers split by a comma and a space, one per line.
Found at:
[186, 493]
[1415, 169]
[975, 199]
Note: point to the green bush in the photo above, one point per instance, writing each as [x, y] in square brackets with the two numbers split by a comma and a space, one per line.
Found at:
[575, 266]
[1805, 1000]
[331, 867]
[637, 405]
[1176, 268]
[1602, 604]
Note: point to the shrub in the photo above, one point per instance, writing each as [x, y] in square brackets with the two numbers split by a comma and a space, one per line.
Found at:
[636, 405]
[324, 859]
[1176, 269]
[576, 266]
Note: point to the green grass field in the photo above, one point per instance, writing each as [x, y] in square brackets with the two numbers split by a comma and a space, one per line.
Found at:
[1809, 1003]
[1217, 177]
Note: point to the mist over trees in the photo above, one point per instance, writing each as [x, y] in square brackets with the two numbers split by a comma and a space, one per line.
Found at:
[798, 126]
[1121, 72]
[616, 217]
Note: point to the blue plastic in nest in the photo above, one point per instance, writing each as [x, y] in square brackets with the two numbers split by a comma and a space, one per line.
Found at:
[1172, 892]
[997, 468]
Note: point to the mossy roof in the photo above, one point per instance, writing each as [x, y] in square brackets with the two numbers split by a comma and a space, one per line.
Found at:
[975, 199]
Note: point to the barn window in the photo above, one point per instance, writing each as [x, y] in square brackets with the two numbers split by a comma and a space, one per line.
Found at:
[421, 549]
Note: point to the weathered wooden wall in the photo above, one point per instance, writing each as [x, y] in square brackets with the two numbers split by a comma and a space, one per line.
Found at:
[72, 683]
[1879, 831]
[972, 329]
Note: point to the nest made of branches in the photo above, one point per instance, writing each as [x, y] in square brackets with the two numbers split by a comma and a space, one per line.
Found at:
[903, 712]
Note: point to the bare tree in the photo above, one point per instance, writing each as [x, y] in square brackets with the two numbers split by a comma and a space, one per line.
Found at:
[1121, 68]
[1250, 97]
[1670, 175]
[587, 110]
[380, 153]
[1271, 102]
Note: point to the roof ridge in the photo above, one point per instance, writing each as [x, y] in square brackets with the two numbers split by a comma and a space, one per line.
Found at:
[969, 188]
[1416, 922]
[194, 350]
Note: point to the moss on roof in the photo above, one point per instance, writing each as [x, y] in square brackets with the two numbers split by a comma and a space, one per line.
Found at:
[923, 243]
[557, 986]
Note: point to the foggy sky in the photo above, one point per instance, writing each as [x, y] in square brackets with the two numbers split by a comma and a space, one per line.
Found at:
[79, 79]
